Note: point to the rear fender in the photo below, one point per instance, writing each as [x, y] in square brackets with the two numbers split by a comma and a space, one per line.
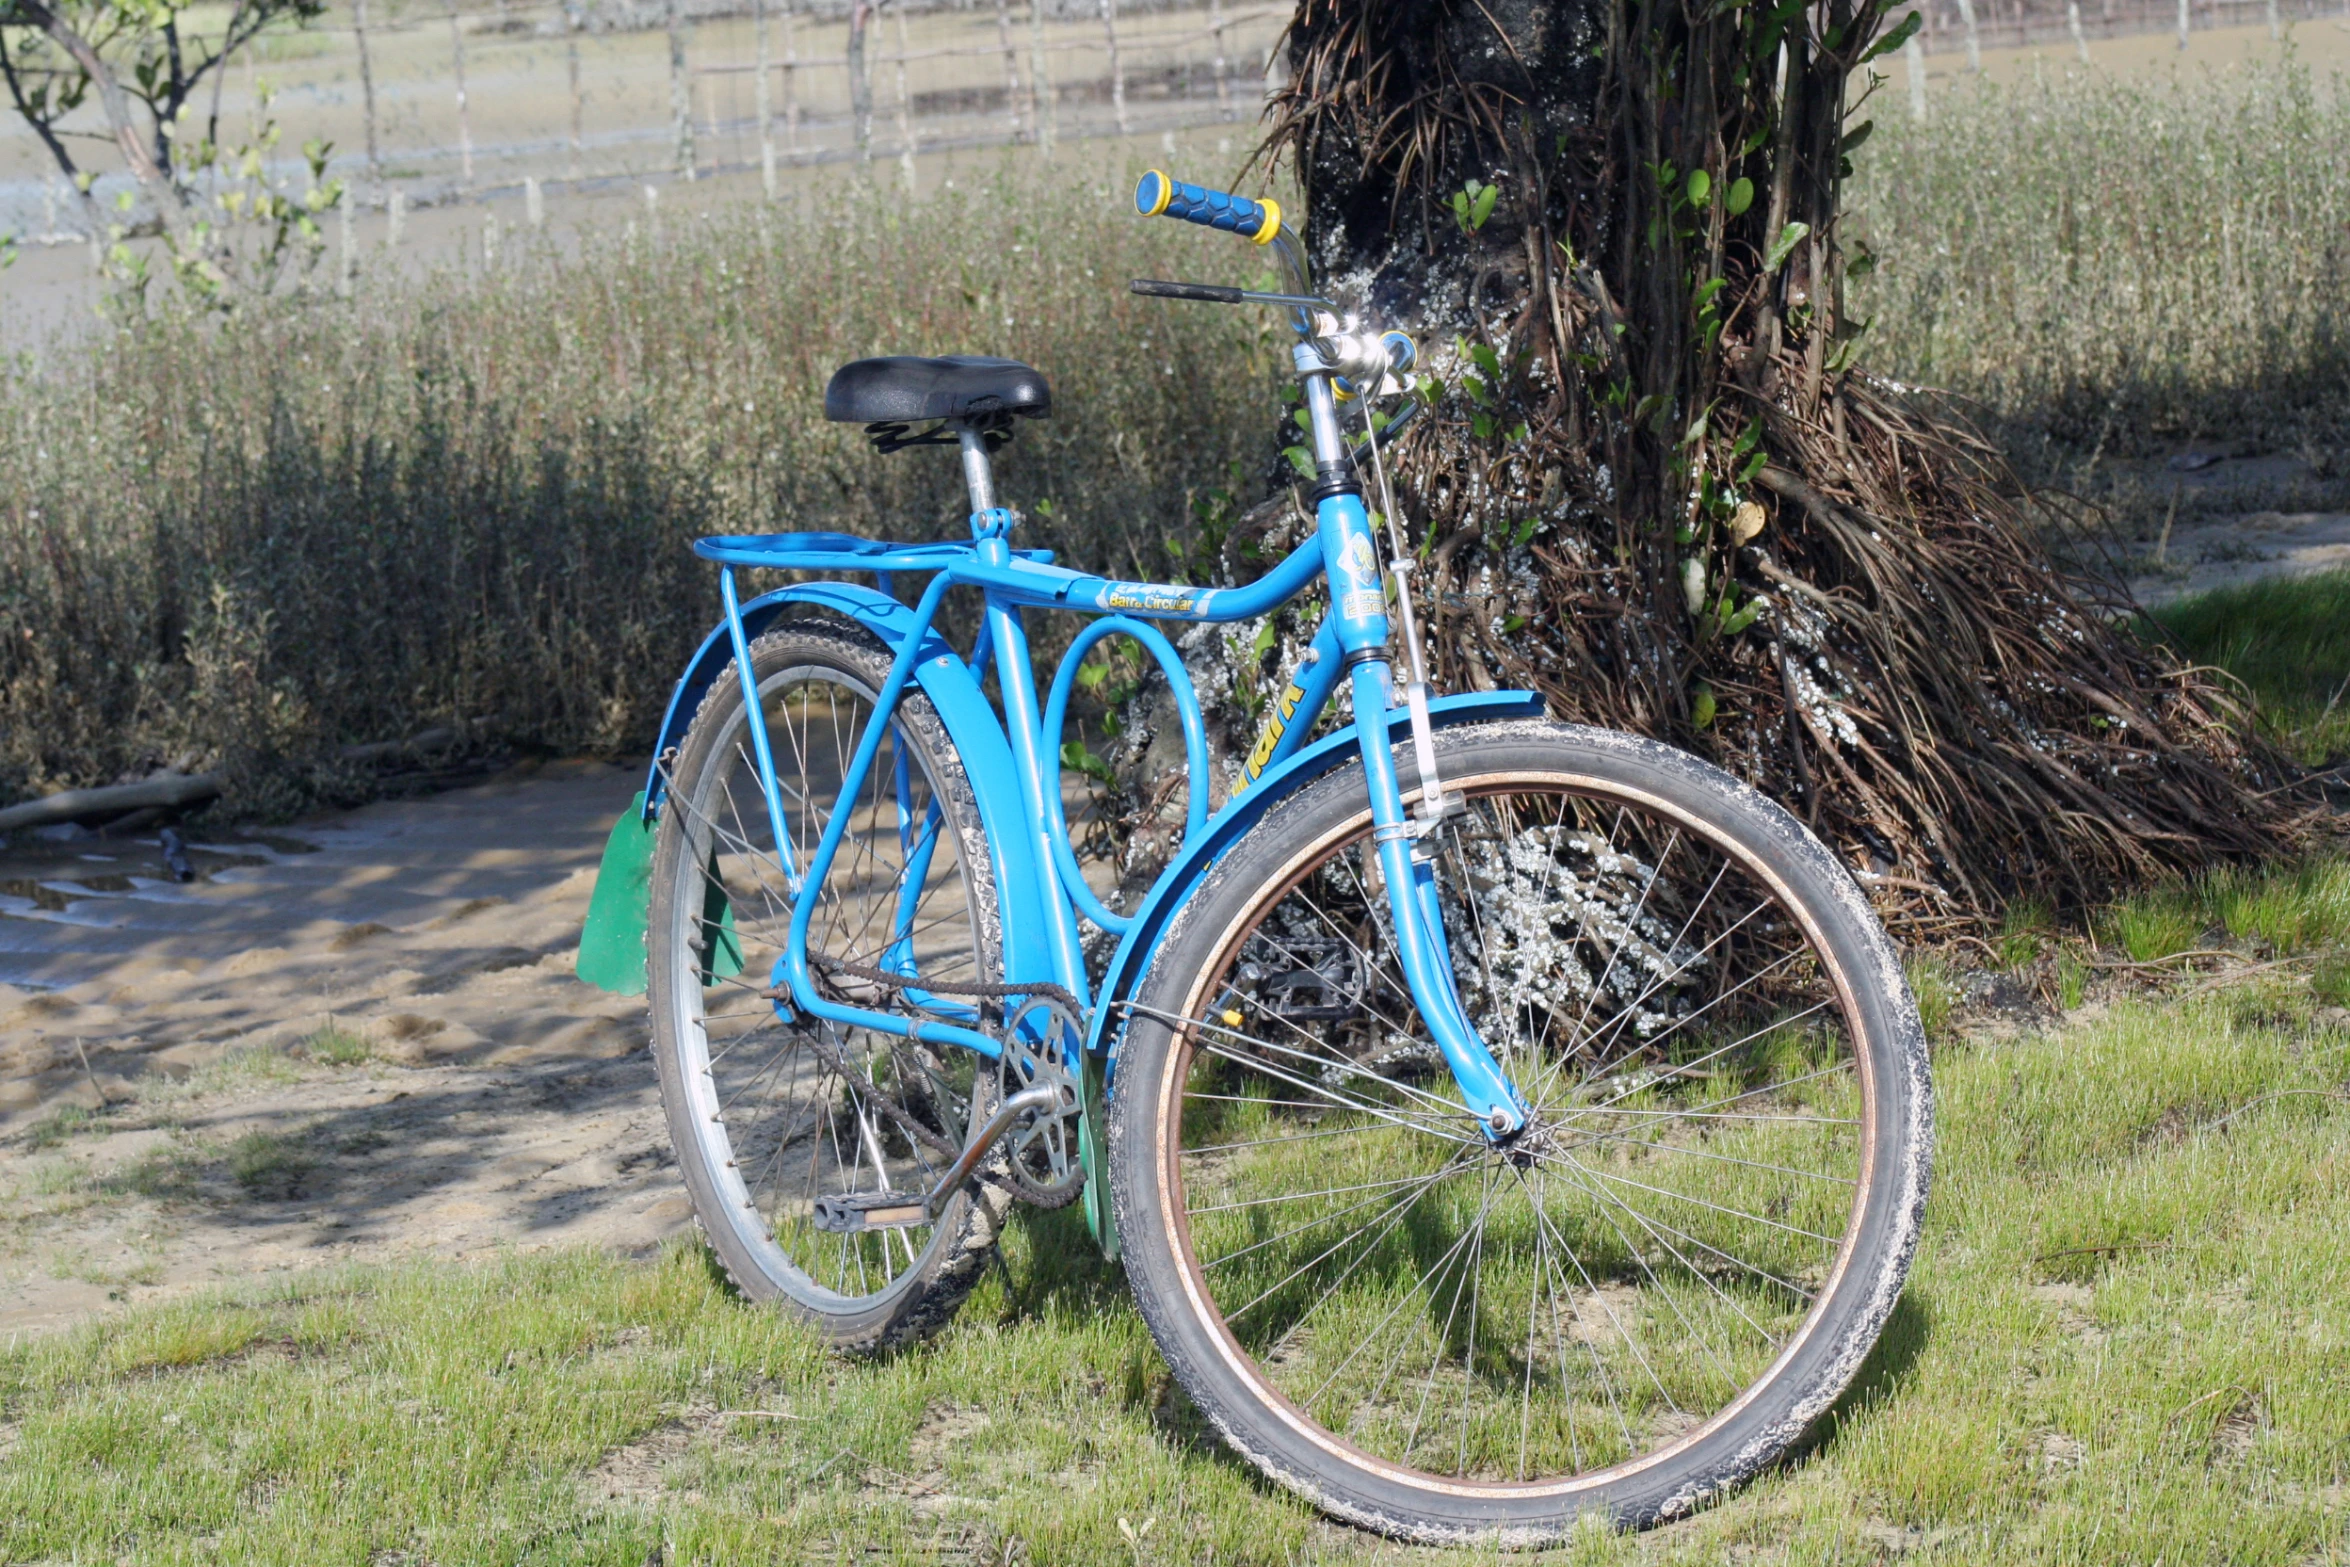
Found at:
[962, 707]
[1181, 880]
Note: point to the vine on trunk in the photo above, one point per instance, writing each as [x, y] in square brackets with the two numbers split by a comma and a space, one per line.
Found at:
[1658, 486]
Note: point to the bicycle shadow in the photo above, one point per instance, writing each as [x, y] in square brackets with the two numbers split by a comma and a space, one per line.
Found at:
[1884, 1376]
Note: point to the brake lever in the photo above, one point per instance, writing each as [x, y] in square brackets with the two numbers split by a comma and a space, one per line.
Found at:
[1219, 294]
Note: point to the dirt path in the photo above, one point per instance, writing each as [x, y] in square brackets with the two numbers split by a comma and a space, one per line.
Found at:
[356, 1038]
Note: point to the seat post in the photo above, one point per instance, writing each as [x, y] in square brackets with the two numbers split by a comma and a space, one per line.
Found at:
[977, 474]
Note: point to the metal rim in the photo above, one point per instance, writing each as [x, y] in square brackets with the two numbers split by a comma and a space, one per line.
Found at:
[1246, 1361]
[719, 811]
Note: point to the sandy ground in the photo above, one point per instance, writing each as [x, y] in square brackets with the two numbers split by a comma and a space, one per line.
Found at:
[165, 1125]
[2245, 549]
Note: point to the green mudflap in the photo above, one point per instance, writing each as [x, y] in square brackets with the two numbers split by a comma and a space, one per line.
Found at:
[612, 946]
[1101, 1213]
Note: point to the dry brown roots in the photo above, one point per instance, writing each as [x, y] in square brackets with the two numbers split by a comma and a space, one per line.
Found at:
[1961, 718]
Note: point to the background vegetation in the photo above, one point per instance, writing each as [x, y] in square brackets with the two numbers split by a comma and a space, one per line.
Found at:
[2119, 265]
[241, 542]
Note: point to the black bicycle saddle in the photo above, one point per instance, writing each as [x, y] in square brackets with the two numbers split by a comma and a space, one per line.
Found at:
[904, 389]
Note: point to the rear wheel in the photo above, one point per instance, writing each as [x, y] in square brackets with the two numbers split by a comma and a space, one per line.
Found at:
[1635, 1303]
[769, 1115]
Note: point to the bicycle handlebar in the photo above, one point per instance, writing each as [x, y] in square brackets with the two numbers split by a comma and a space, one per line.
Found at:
[1207, 293]
[1156, 195]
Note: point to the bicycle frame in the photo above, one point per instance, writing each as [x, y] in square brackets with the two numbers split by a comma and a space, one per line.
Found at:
[1350, 642]
[1012, 758]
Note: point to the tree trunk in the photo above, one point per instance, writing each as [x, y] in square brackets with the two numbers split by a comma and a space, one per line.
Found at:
[154, 180]
[1655, 487]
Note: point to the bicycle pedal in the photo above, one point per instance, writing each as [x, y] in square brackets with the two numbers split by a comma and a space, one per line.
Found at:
[852, 1213]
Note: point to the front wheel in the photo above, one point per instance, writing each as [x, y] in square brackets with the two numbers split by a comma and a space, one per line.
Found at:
[1633, 1304]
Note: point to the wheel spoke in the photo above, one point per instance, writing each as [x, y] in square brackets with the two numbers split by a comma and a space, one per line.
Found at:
[1569, 1297]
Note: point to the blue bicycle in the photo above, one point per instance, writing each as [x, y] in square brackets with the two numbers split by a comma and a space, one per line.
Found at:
[1499, 1120]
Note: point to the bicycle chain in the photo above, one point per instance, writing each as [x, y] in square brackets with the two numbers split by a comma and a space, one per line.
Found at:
[824, 965]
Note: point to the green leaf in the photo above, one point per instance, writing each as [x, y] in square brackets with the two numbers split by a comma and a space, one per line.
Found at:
[1858, 134]
[1482, 208]
[1517, 432]
[1300, 459]
[1090, 674]
[1739, 197]
[1077, 758]
[1265, 640]
[1482, 423]
[1701, 185]
[1744, 617]
[1702, 706]
[1902, 32]
[1706, 291]
[1524, 532]
[1784, 246]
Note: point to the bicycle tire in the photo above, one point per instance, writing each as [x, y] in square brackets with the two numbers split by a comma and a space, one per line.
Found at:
[735, 1111]
[1249, 1018]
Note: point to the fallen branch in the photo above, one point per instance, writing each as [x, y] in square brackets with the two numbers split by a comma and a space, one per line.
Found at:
[177, 790]
[2282, 1093]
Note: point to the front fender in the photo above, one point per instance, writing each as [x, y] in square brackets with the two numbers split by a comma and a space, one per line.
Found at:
[962, 707]
[1179, 881]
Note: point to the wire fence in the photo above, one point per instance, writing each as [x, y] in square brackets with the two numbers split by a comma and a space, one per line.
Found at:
[1972, 26]
[527, 99]
[433, 105]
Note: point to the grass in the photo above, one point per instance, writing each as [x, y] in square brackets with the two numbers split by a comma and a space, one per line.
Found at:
[2289, 640]
[334, 1045]
[2296, 911]
[2122, 1341]
[469, 496]
[2114, 265]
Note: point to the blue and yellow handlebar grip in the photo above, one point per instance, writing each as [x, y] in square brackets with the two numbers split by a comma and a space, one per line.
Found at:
[1155, 195]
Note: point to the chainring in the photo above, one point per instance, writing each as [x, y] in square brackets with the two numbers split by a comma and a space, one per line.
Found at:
[1043, 1044]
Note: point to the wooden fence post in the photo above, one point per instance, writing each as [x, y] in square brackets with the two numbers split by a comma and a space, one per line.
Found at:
[1003, 37]
[347, 264]
[1118, 66]
[1913, 60]
[572, 22]
[905, 104]
[760, 104]
[464, 114]
[2275, 32]
[395, 218]
[375, 165]
[1044, 104]
[680, 97]
[1223, 78]
[534, 202]
[791, 84]
[861, 78]
[1974, 39]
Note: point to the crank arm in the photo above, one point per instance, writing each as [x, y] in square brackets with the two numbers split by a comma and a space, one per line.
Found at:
[851, 1213]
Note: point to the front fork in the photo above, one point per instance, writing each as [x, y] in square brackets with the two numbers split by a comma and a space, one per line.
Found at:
[1359, 608]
